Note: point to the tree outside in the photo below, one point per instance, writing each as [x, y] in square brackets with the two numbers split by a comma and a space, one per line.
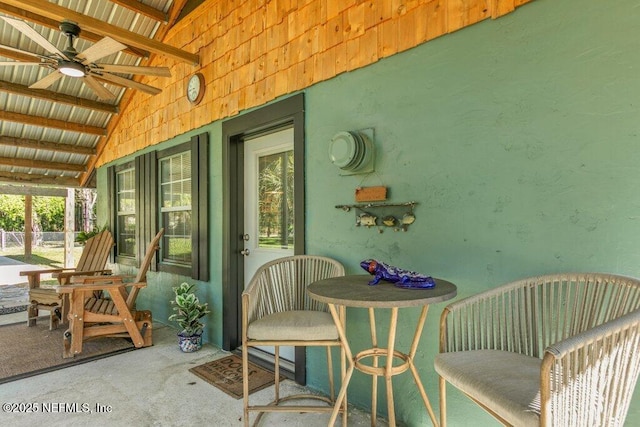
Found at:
[48, 212]
[47, 227]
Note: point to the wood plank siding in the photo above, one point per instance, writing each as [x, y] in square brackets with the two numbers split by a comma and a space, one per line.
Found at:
[253, 51]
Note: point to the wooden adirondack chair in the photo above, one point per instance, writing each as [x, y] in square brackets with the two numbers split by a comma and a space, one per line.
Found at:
[92, 262]
[112, 314]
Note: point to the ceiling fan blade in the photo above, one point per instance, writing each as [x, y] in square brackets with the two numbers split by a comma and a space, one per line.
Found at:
[17, 63]
[101, 91]
[102, 48]
[25, 29]
[47, 80]
[18, 51]
[132, 69]
[112, 78]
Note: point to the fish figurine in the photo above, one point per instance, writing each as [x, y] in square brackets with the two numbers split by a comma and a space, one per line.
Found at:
[408, 218]
[367, 220]
[389, 220]
[399, 277]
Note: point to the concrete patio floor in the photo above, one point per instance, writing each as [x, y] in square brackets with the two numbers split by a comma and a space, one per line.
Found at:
[146, 387]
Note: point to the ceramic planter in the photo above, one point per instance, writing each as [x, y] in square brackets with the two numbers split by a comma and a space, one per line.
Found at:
[189, 343]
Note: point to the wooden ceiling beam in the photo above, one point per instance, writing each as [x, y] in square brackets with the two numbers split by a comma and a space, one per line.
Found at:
[59, 13]
[35, 144]
[41, 164]
[31, 190]
[174, 13]
[143, 9]
[51, 123]
[39, 179]
[56, 97]
[55, 25]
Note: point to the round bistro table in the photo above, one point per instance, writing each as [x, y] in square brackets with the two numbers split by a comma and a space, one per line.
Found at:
[354, 291]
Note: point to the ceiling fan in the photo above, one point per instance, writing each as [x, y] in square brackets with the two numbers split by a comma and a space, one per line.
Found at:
[69, 62]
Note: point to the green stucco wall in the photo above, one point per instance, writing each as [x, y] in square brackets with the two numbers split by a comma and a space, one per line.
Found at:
[519, 140]
[158, 294]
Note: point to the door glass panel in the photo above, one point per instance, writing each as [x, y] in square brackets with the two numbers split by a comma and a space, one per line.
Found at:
[275, 200]
[268, 167]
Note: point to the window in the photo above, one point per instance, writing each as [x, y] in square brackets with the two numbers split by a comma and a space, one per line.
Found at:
[126, 213]
[166, 188]
[182, 208]
[123, 194]
[175, 207]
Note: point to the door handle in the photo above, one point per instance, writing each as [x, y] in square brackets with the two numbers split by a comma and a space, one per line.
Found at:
[245, 252]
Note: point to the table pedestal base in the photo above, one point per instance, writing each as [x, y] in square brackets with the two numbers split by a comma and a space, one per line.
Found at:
[388, 370]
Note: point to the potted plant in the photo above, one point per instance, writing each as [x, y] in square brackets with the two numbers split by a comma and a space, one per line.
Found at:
[83, 236]
[188, 312]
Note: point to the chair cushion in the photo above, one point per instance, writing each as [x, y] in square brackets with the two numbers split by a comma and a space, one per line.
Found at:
[296, 325]
[508, 383]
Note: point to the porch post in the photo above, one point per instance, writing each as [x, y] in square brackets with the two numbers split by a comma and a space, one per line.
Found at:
[69, 227]
[28, 225]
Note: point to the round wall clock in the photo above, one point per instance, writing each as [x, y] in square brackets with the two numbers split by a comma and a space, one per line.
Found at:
[195, 88]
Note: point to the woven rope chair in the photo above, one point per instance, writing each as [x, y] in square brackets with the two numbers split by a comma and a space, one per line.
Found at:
[276, 311]
[557, 350]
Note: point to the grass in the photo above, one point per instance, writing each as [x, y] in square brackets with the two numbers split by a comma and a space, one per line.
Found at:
[45, 256]
[273, 242]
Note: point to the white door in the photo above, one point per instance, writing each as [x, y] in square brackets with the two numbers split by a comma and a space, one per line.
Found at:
[268, 204]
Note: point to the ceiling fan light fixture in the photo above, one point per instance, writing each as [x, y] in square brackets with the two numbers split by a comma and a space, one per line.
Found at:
[72, 69]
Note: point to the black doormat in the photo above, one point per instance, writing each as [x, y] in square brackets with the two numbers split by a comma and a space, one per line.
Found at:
[226, 374]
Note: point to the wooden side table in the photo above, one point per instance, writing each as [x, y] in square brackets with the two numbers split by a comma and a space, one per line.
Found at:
[354, 291]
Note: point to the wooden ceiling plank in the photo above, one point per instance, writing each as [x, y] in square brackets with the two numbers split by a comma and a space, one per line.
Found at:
[35, 144]
[41, 164]
[61, 98]
[55, 25]
[143, 9]
[59, 13]
[51, 123]
[39, 179]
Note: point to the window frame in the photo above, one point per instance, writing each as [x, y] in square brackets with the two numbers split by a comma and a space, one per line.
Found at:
[113, 186]
[148, 206]
[173, 185]
[129, 168]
